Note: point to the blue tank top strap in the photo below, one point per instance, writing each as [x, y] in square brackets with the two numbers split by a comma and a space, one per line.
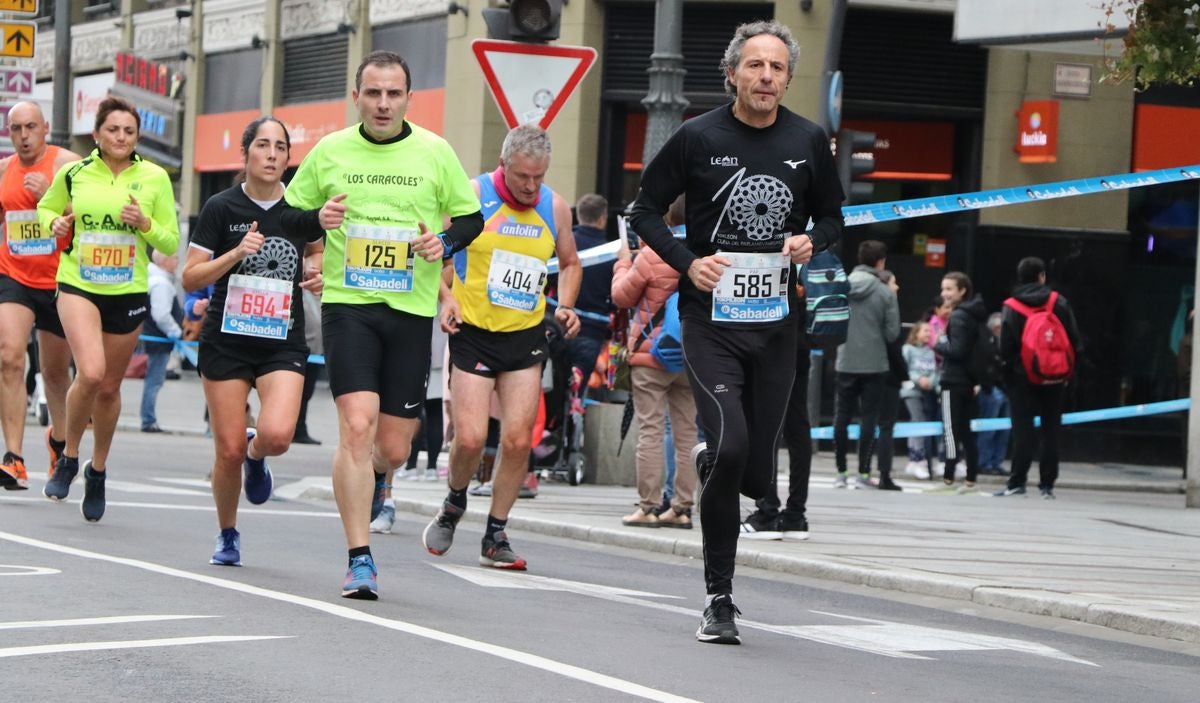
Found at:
[488, 197]
[545, 209]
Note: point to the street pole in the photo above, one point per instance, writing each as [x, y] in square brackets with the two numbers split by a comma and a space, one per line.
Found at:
[61, 134]
[1192, 499]
[665, 102]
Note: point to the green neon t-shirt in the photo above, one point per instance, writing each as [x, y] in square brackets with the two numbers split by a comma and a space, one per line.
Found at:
[389, 189]
[106, 256]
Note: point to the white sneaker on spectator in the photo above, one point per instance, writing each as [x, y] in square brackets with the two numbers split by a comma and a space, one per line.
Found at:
[917, 469]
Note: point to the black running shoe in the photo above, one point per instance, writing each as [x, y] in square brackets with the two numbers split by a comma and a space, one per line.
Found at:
[717, 625]
[59, 484]
[92, 506]
[794, 528]
[758, 526]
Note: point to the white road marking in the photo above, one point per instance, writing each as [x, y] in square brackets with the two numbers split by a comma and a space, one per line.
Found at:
[19, 570]
[86, 622]
[132, 487]
[192, 482]
[496, 578]
[889, 639]
[516, 656]
[895, 636]
[179, 506]
[40, 649]
[296, 489]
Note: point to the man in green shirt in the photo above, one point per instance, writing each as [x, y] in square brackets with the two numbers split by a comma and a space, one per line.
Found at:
[384, 188]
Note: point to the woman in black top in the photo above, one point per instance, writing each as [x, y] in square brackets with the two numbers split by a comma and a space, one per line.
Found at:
[253, 331]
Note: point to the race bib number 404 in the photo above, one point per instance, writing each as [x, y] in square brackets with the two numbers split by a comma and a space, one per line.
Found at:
[105, 258]
[753, 288]
[379, 258]
[257, 307]
[515, 281]
[25, 235]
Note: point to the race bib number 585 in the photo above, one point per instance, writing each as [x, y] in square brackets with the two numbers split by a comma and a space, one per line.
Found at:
[753, 288]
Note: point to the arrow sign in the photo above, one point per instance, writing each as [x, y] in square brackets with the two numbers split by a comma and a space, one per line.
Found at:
[531, 82]
[18, 39]
[29, 7]
[16, 80]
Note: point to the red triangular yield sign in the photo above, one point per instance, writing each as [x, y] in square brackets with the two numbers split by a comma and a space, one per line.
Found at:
[531, 82]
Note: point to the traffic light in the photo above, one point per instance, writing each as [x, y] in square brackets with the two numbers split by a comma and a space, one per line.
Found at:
[855, 158]
[525, 20]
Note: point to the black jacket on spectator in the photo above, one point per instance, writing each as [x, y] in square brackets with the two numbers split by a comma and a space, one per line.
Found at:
[1012, 327]
[962, 333]
[596, 286]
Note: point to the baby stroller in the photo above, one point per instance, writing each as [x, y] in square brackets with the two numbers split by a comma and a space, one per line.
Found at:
[559, 454]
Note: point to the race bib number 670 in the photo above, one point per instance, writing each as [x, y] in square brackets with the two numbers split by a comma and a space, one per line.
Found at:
[753, 288]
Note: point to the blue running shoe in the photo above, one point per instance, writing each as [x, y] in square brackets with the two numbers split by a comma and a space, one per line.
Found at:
[59, 484]
[92, 506]
[258, 481]
[378, 497]
[360, 580]
[228, 551]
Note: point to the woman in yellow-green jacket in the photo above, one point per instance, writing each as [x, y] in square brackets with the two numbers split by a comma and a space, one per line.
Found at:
[115, 206]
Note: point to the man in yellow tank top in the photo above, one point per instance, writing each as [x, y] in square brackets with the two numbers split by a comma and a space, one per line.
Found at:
[493, 307]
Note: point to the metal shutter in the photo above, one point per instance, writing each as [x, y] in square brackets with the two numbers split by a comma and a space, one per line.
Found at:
[707, 29]
[910, 58]
[314, 68]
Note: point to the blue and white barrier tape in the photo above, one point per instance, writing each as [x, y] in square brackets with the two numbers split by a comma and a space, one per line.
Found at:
[962, 202]
[991, 424]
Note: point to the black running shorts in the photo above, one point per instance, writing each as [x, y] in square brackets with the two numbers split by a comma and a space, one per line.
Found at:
[486, 354]
[41, 302]
[221, 361]
[119, 314]
[375, 348]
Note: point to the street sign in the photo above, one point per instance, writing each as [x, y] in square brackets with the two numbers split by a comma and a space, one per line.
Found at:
[4, 108]
[28, 7]
[531, 82]
[16, 80]
[18, 39]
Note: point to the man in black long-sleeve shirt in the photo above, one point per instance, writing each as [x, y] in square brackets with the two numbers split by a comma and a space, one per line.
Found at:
[754, 174]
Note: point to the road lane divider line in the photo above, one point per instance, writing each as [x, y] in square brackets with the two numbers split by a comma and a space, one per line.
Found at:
[516, 656]
[88, 622]
[43, 649]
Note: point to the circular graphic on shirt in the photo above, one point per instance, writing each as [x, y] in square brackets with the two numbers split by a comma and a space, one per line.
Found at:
[759, 206]
[276, 259]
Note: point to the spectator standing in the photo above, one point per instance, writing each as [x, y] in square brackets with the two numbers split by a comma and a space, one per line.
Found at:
[644, 284]
[993, 403]
[1031, 296]
[920, 396]
[889, 405]
[862, 363]
[163, 321]
[958, 381]
[593, 304]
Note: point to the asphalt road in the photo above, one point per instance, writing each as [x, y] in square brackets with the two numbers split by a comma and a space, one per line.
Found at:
[129, 609]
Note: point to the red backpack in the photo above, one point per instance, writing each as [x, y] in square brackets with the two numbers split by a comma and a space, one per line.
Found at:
[1046, 351]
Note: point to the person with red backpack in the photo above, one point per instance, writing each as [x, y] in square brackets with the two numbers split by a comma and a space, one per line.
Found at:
[1039, 343]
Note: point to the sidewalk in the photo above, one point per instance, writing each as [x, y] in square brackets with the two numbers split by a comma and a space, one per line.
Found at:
[1127, 557]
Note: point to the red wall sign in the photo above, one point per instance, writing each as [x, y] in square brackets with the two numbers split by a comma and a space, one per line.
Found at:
[909, 151]
[1037, 132]
[148, 75]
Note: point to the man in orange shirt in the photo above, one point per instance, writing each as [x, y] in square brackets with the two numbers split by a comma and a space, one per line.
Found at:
[28, 264]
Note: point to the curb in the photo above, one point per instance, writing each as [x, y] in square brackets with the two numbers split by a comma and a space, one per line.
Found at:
[1136, 619]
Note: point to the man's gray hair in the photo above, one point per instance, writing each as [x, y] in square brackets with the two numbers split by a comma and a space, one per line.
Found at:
[527, 139]
[590, 208]
[746, 32]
